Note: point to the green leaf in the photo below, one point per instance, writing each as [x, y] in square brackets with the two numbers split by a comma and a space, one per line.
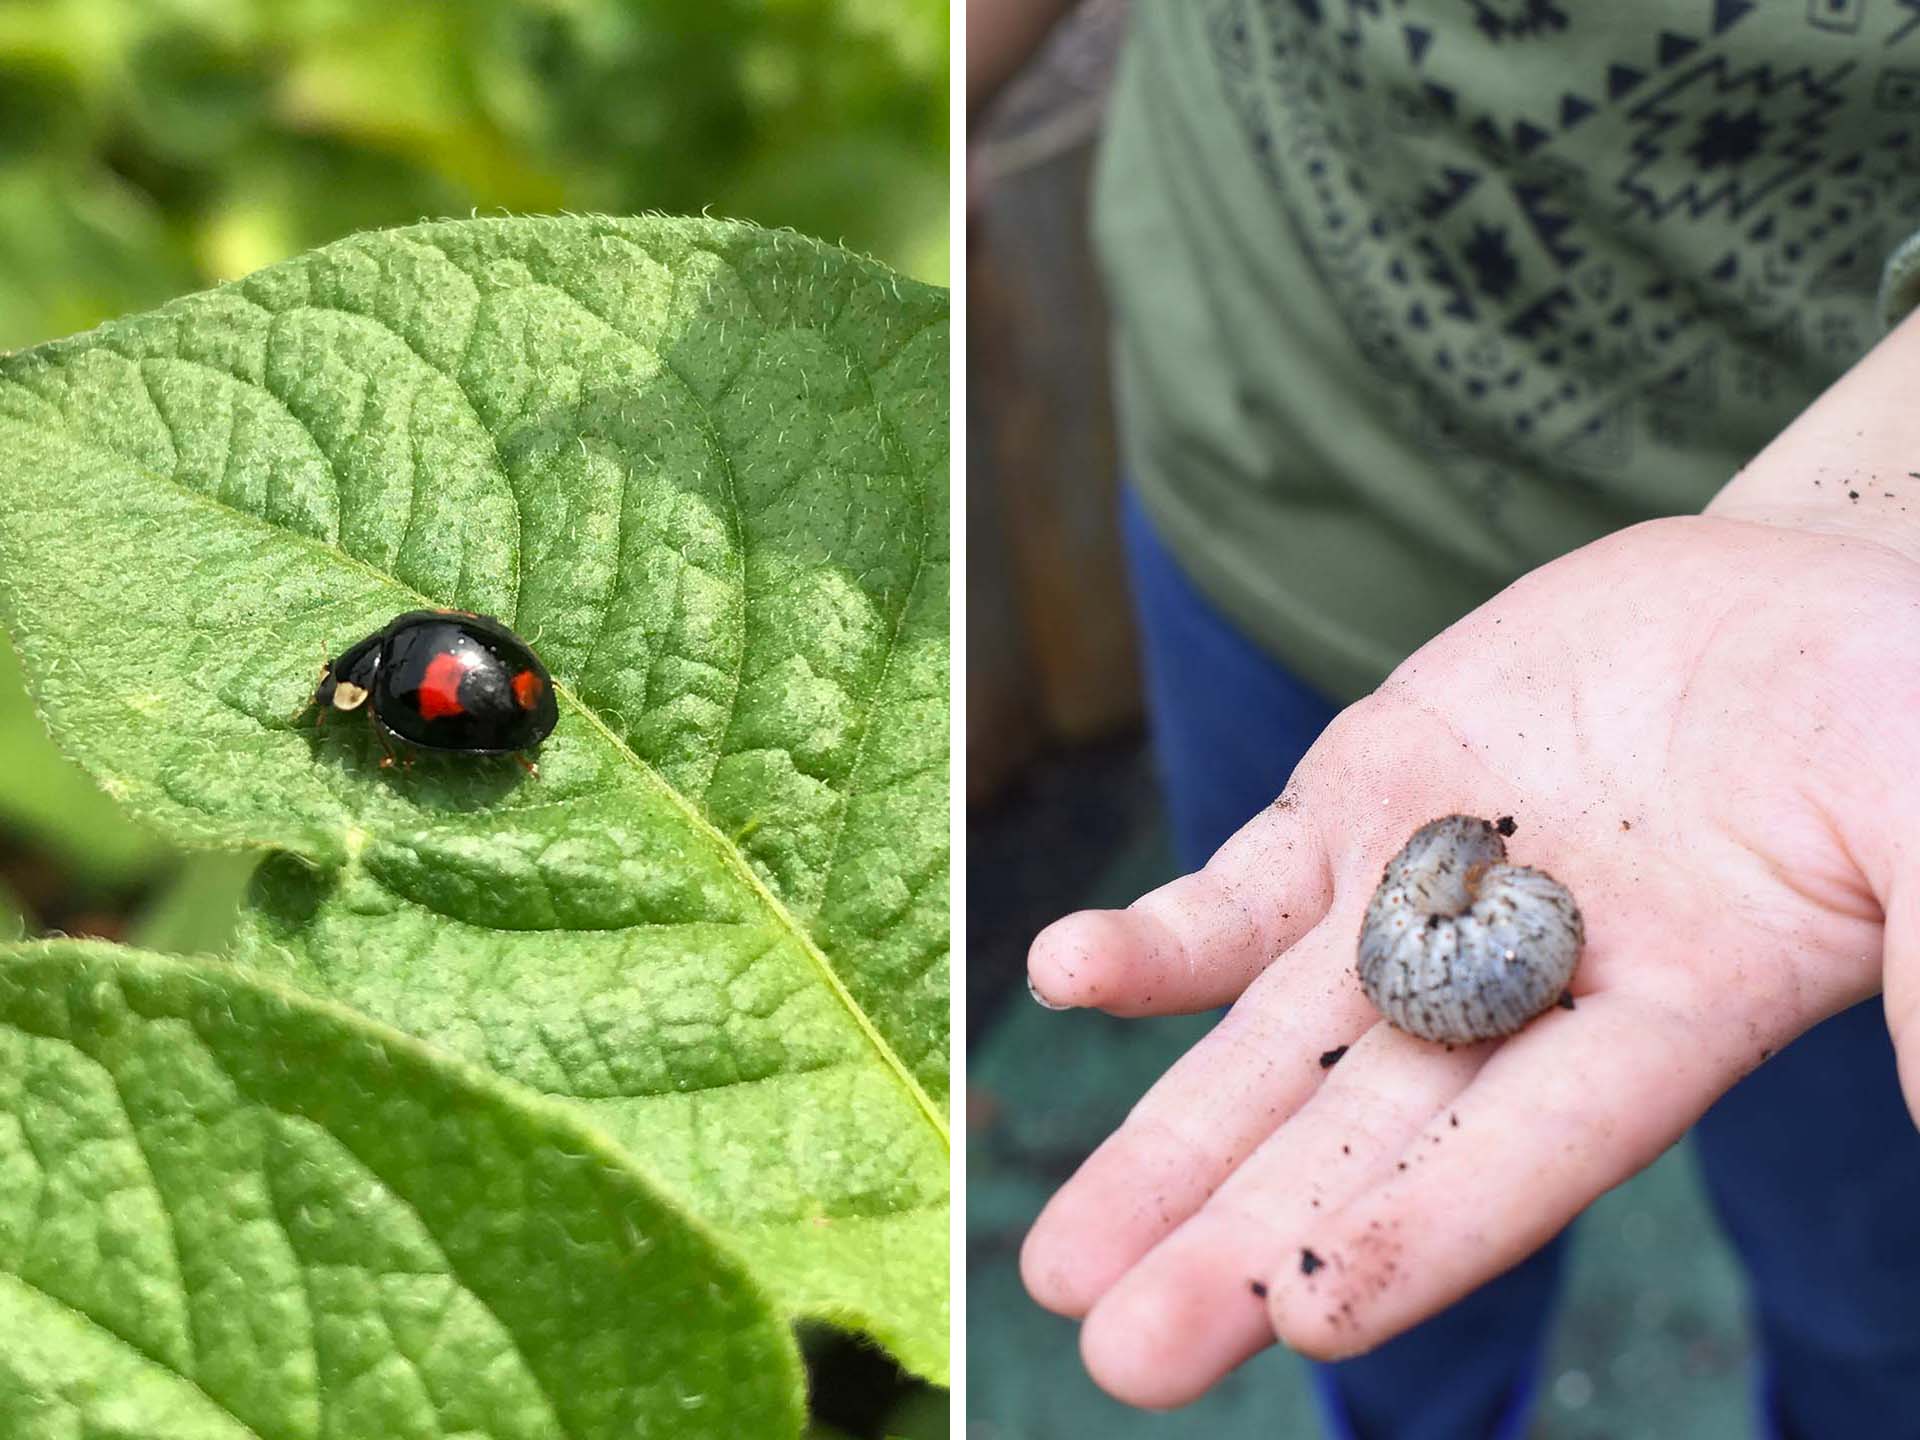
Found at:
[230, 1210]
[197, 911]
[702, 468]
[52, 802]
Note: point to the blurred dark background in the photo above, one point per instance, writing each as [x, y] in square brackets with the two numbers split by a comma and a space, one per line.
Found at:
[153, 147]
[1064, 812]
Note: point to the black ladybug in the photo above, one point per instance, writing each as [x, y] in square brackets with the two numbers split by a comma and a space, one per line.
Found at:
[445, 680]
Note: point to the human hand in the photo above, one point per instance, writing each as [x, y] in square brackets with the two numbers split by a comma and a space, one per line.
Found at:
[1703, 727]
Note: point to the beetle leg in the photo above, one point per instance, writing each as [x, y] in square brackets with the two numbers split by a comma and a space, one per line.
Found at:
[389, 759]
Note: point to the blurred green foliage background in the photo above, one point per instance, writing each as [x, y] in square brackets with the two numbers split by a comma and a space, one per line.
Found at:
[150, 147]
[154, 147]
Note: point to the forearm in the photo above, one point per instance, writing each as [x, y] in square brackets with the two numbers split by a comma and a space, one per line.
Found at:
[1001, 37]
[1850, 463]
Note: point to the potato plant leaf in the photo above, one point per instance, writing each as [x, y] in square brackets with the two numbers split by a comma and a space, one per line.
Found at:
[197, 909]
[228, 1209]
[50, 802]
[702, 469]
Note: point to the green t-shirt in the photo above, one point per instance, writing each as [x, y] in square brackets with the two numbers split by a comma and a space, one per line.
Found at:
[1414, 295]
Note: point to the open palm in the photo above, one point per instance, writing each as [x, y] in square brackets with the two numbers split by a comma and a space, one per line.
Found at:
[1703, 727]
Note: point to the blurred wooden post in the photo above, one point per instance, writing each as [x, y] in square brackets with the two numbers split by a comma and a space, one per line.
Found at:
[1052, 655]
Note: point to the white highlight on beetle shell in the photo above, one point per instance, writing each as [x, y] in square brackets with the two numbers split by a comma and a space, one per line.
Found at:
[1457, 944]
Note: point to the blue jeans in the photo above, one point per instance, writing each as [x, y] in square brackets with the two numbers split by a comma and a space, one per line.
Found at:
[1812, 1162]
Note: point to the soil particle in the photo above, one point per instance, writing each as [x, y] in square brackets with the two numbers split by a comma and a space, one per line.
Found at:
[1258, 1287]
[1453, 1120]
[1505, 825]
[1853, 494]
[1565, 1002]
[1626, 824]
[1309, 1262]
[1331, 1058]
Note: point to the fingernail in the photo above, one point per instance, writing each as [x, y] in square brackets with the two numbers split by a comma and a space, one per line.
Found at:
[1042, 1000]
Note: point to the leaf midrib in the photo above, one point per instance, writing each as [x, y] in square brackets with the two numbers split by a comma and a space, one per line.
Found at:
[787, 919]
[729, 852]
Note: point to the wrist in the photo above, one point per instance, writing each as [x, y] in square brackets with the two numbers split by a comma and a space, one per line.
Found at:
[1849, 464]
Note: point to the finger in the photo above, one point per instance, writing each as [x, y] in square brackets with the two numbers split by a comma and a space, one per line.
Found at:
[1195, 943]
[1217, 1102]
[1192, 1309]
[1562, 1112]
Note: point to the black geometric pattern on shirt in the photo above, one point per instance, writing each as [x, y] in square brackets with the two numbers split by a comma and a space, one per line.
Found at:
[1425, 410]
[1907, 26]
[1501, 20]
[1898, 89]
[1681, 402]
[1841, 16]
[1453, 186]
[1762, 133]
[1492, 244]
[1728, 13]
[1454, 276]
[1232, 41]
[1549, 225]
[1496, 270]
[1314, 12]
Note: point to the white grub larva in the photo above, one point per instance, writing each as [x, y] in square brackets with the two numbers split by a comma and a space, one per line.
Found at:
[1457, 944]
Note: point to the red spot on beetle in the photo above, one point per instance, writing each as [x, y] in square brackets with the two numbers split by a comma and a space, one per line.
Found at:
[440, 686]
[526, 689]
